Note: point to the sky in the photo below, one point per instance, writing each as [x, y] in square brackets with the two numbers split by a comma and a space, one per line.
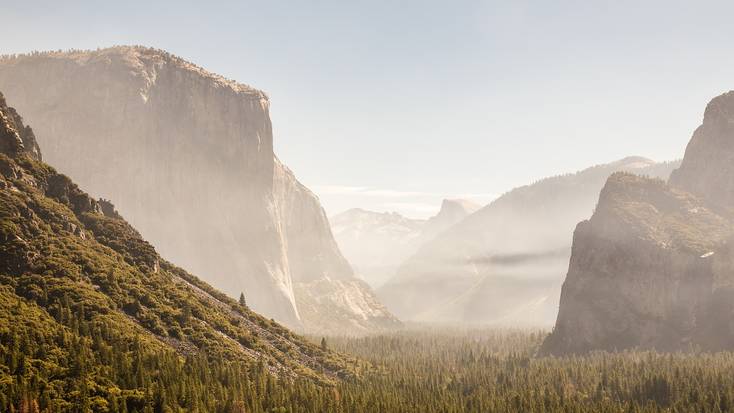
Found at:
[394, 105]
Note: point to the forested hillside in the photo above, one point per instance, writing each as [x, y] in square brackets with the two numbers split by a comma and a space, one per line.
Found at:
[91, 316]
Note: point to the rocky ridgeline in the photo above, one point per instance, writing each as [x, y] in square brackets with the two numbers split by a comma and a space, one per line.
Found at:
[187, 156]
[653, 267]
[16, 137]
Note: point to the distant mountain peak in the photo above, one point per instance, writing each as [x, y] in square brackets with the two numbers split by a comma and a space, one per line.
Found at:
[634, 162]
[458, 206]
[375, 243]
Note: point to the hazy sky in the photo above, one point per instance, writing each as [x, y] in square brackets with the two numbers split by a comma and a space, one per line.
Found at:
[392, 105]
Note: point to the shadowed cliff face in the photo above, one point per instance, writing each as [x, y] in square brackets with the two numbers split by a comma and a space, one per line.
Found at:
[188, 157]
[644, 272]
[653, 266]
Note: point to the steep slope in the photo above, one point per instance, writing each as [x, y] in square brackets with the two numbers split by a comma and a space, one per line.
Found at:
[708, 165]
[81, 290]
[654, 266]
[377, 243]
[188, 158]
[505, 263]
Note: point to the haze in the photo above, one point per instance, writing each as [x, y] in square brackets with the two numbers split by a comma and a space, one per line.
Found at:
[358, 206]
[368, 113]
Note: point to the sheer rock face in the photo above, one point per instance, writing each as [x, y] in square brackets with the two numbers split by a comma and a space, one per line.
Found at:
[654, 266]
[58, 244]
[650, 269]
[329, 298]
[188, 157]
[708, 166]
[505, 263]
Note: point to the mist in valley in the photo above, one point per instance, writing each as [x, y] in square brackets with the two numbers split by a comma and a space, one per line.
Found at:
[366, 207]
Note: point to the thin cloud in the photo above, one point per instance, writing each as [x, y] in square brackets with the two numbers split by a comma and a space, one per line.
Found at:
[391, 193]
[367, 191]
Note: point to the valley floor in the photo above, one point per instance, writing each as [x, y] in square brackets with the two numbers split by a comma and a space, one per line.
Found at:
[422, 370]
[496, 371]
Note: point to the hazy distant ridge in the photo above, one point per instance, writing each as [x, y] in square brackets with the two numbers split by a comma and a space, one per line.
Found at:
[504, 264]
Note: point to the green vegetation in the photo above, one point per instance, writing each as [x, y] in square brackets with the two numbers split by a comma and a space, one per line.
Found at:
[417, 371]
[67, 362]
[92, 319]
[496, 371]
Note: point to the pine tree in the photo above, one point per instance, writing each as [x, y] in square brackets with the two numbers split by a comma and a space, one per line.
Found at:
[242, 300]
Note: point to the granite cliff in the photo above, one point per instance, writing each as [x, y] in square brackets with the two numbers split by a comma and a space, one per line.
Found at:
[187, 156]
[76, 278]
[654, 266]
[708, 165]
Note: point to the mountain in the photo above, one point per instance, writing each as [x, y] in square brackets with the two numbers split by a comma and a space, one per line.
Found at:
[654, 266]
[91, 316]
[504, 264]
[452, 212]
[649, 269]
[187, 156]
[375, 243]
[707, 170]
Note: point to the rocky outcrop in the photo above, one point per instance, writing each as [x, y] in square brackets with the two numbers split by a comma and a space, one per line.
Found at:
[505, 263]
[653, 267]
[16, 137]
[708, 166]
[187, 156]
[341, 306]
[376, 243]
